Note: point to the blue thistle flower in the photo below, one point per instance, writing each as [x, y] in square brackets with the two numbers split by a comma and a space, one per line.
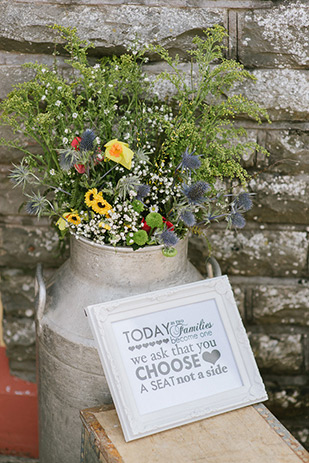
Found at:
[188, 218]
[68, 158]
[20, 175]
[87, 139]
[142, 191]
[195, 193]
[237, 220]
[189, 161]
[243, 201]
[168, 238]
[36, 205]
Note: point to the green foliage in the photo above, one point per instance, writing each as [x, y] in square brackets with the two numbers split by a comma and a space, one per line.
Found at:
[118, 102]
[205, 110]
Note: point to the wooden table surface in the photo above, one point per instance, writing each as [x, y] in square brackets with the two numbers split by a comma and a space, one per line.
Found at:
[247, 435]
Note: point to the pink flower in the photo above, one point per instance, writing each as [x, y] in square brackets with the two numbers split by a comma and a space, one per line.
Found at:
[75, 143]
[146, 227]
[169, 225]
[80, 168]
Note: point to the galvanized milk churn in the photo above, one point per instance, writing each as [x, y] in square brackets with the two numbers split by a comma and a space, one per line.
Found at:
[70, 375]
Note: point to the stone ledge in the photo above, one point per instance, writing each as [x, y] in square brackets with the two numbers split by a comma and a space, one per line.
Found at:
[110, 27]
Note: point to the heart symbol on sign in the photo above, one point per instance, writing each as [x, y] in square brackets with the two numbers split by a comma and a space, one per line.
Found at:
[165, 340]
[131, 347]
[211, 357]
[159, 342]
[146, 344]
[139, 346]
[152, 343]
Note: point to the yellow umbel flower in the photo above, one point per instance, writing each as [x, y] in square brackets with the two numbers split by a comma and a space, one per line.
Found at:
[90, 197]
[100, 206]
[119, 152]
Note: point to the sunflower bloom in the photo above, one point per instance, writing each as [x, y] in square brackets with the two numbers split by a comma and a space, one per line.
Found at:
[90, 197]
[100, 206]
[119, 152]
[74, 218]
[68, 217]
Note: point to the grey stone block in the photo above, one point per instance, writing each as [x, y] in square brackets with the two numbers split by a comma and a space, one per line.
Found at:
[11, 197]
[278, 353]
[25, 246]
[289, 151]
[290, 401]
[111, 27]
[17, 292]
[253, 252]
[281, 304]
[283, 92]
[11, 155]
[280, 198]
[275, 37]
[19, 337]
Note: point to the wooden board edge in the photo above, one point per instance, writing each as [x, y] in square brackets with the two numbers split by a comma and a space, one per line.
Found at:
[98, 436]
[285, 435]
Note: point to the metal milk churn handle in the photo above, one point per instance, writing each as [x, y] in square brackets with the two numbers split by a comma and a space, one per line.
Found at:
[40, 293]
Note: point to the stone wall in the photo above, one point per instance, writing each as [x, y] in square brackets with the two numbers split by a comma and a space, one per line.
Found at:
[267, 262]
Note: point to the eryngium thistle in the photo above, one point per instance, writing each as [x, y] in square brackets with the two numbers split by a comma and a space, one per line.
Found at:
[37, 204]
[68, 158]
[142, 191]
[87, 139]
[195, 193]
[126, 184]
[168, 238]
[237, 220]
[243, 201]
[188, 218]
[21, 175]
[189, 161]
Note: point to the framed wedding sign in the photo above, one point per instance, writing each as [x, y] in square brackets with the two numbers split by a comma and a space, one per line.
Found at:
[175, 356]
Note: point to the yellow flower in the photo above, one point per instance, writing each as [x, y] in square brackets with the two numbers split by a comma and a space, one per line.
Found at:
[62, 223]
[90, 197]
[74, 218]
[119, 152]
[100, 206]
[71, 217]
[104, 225]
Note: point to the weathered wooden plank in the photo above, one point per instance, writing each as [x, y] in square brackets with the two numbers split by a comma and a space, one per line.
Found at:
[248, 435]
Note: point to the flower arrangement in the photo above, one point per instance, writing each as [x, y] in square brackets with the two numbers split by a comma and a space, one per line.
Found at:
[117, 165]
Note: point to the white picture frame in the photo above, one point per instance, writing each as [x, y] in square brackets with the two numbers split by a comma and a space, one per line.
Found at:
[175, 356]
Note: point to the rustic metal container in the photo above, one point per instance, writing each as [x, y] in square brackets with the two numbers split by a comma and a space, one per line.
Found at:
[70, 375]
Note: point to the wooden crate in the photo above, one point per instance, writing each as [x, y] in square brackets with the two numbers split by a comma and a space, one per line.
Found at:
[248, 435]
